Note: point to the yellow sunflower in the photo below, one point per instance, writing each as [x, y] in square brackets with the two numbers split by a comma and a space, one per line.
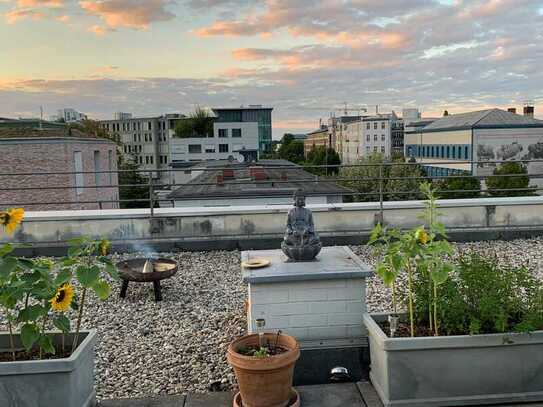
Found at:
[422, 236]
[104, 245]
[11, 218]
[63, 298]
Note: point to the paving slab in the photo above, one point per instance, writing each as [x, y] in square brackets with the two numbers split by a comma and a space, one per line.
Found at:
[219, 399]
[330, 395]
[170, 401]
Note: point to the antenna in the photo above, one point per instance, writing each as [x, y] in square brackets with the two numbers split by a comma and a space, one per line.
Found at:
[41, 117]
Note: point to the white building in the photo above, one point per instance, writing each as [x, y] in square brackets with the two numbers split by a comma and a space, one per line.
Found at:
[368, 135]
[227, 140]
[122, 116]
[68, 115]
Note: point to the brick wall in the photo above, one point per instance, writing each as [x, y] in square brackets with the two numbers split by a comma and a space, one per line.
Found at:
[39, 156]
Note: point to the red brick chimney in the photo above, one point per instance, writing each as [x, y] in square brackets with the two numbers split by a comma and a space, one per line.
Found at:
[529, 111]
[228, 173]
[512, 110]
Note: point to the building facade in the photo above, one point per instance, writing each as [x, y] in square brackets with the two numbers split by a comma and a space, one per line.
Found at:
[228, 139]
[146, 140]
[262, 116]
[449, 145]
[64, 168]
[321, 137]
[68, 115]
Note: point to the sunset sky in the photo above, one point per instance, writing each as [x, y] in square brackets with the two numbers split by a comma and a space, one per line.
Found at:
[302, 57]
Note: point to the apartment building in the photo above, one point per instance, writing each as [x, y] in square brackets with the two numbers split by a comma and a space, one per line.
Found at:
[321, 137]
[146, 139]
[381, 133]
[68, 115]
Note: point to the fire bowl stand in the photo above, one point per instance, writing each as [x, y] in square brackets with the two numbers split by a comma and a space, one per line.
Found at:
[156, 287]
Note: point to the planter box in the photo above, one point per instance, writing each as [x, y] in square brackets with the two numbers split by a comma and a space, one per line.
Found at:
[455, 370]
[67, 382]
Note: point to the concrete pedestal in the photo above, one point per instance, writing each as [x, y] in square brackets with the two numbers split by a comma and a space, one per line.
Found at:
[320, 302]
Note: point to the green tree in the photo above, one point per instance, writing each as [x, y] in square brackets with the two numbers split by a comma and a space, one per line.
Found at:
[323, 156]
[516, 184]
[404, 181]
[449, 188]
[198, 124]
[364, 178]
[130, 176]
[293, 151]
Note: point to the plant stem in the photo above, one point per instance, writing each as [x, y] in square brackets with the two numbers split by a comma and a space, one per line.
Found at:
[394, 306]
[430, 318]
[11, 341]
[79, 317]
[26, 299]
[410, 286]
[43, 332]
[436, 332]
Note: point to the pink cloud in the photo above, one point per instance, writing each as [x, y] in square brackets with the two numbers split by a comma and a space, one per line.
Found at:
[137, 14]
[16, 15]
[40, 3]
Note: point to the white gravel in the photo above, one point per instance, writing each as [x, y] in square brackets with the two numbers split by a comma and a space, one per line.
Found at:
[179, 345]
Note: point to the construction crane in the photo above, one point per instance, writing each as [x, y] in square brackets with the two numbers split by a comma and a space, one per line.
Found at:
[346, 108]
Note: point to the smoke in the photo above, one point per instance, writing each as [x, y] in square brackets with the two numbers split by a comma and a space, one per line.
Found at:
[144, 250]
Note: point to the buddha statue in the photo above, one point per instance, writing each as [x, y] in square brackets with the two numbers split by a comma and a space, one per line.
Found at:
[301, 242]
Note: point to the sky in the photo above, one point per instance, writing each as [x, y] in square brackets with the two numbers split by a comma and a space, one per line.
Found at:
[305, 58]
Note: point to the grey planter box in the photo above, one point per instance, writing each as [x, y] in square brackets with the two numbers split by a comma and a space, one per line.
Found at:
[455, 370]
[65, 382]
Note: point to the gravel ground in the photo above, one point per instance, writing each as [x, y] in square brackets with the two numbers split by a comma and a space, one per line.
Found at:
[178, 345]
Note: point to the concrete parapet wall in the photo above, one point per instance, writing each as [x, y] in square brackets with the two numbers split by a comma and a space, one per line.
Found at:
[263, 226]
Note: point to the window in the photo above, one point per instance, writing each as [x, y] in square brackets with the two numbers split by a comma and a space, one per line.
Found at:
[466, 152]
[210, 148]
[448, 151]
[375, 148]
[375, 125]
[442, 151]
[97, 168]
[223, 148]
[383, 149]
[146, 137]
[141, 159]
[367, 149]
[375, 137]
[368, 137]
[134, 126]
[382, 137]
[454, 152]
[150, 137]
[139, 126]
[110, 165]
[146, 159]
[383, 125]
[135, 138]
[149, 126]
[195, 148]
[223, 132]
[432, 151]
[152, 159]
[236, 132]
[78, 168]
[367, 126]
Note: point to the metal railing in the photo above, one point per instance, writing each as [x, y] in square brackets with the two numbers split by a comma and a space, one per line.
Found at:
[15, 187]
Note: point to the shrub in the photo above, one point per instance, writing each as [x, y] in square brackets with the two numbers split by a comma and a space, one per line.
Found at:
[516, 184]
[450, 188]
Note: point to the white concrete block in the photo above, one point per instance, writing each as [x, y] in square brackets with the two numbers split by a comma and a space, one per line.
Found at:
[326, 332]
[345, 319]
[355, 307]
[327, 307]
[288, 308]
[313, 294]
[270, 296]
[352, 292]
[312, 320]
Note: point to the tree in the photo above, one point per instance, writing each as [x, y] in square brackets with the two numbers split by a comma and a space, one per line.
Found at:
[323, 156]
[198, 124]
[449, 188]
[404, 182]
[515, 185]
[364, 178]
[130, 176]
[292, 151]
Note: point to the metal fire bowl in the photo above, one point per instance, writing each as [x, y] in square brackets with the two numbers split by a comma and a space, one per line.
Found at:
[131, 270]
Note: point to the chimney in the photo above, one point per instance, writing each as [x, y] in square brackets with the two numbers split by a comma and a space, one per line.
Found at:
[512, 110]
[529, 111]
[228, 174]
[257, 173]
[220, 180]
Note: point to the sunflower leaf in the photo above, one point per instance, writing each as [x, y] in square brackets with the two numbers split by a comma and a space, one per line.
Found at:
[62, 323]
[6, 249]
[102, 289]
[87, 276]
[46, 343]
[29, 335]
[64, 276]
[32, 313]
[7, 266]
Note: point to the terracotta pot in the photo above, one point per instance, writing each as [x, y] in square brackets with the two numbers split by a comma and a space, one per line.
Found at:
[264, 382]
[293, 402]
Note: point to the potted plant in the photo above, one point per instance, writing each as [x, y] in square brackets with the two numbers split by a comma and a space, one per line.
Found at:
[41, 367]
[264, 366]
[473, 330]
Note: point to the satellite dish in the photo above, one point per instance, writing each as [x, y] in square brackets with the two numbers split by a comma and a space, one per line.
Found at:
[241, 159]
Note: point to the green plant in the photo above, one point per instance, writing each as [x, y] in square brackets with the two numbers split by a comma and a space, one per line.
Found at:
[517, 184]
[37, 293]
[261, 353]
[417, 251]
[198, 124]
[321, 156]
[458, 188]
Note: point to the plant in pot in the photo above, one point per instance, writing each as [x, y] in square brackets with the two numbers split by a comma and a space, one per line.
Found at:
[264, 366]
[43, 361]
[463, 339]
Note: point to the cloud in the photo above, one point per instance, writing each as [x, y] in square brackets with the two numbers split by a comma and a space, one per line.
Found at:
[137, 14]
[16, 15]
[40, 3]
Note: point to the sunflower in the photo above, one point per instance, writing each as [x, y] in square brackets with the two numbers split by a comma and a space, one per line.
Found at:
[422, 236]
[11, 218]
[63, 298]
